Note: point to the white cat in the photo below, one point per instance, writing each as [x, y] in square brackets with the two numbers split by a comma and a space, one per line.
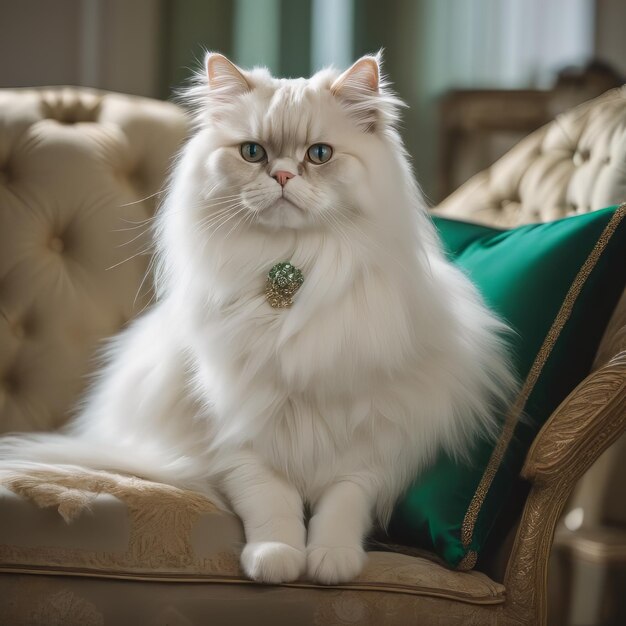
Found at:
[386, 356]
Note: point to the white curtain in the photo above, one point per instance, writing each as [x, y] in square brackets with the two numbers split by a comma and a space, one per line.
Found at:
[505, 43]
[332, 27]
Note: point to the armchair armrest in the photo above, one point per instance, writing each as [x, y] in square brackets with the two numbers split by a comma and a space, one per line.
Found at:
[591, 418]
[586, 423]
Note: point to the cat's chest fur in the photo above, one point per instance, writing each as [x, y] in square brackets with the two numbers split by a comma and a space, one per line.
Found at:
[330, 341]
[299, 384]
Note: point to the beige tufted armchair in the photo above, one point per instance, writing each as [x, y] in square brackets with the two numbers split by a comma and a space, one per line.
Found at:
[79, 174]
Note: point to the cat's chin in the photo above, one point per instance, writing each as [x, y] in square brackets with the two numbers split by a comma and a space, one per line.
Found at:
[283, 214]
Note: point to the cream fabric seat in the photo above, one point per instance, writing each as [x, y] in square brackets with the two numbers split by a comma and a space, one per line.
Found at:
[150, 532]
[80, 170]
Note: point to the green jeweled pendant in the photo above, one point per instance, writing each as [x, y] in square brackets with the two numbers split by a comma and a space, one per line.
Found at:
[283, 280]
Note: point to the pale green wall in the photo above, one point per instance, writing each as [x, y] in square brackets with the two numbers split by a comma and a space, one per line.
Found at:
[273, 33]
[257, 33]
[188, 28]
[400, 28]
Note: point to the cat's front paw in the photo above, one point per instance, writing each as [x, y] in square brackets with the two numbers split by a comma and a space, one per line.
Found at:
[331, 565]
[272, 561]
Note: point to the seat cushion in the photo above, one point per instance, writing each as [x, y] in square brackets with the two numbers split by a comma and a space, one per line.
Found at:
[556, 284]
[86, 601]
[77, 522]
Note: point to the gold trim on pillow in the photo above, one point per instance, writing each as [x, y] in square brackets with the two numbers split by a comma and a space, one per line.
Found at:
[512, 418]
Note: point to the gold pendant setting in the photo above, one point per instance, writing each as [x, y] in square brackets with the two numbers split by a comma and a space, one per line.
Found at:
[283, 280]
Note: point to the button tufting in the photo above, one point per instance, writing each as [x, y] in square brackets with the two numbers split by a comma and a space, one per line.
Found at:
[70, 107]
[580, 157]
[57, 224]
[56, 244]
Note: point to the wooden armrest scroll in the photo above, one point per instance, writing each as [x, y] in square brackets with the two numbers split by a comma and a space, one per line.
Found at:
[582, 427]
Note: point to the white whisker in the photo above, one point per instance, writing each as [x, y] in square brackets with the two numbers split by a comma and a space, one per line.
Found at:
[152, 195]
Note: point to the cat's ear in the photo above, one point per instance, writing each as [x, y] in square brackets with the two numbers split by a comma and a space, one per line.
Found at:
[361, 78]
[224, 77]
[358, 88]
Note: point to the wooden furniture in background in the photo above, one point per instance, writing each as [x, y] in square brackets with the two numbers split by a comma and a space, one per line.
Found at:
[478, 126]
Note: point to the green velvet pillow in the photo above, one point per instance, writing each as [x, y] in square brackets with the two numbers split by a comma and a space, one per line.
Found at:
[556, 284]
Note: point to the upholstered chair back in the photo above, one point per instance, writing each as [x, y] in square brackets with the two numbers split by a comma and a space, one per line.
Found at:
[80, 172]
[574, 164]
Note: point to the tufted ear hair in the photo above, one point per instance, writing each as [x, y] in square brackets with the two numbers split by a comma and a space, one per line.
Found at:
[362, 77]
[225, 78]
[358, 88]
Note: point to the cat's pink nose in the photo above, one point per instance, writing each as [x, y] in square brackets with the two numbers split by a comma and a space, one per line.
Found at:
[282, 177]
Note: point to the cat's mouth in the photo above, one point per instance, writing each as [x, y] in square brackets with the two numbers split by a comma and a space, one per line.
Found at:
[286, 203]
[283, 213]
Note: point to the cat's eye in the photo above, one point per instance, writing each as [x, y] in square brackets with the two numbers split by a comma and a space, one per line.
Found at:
[252, 152]
[319, 153]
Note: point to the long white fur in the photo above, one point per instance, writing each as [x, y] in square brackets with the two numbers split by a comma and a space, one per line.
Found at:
[387, 356]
